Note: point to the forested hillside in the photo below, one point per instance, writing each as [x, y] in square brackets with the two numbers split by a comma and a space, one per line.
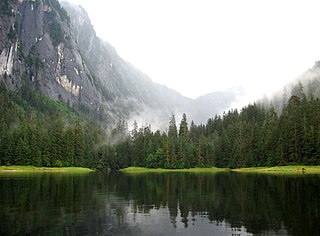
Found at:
[57, 49]
[61, 94]
[254, 136]
[38, 131]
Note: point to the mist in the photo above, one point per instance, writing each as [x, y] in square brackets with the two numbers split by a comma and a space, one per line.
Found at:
[204, 49]
[206, 46]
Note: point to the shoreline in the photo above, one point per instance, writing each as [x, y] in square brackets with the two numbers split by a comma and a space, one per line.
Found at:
[34, 169]
[294, 169]
[287, 170]
[162, 170]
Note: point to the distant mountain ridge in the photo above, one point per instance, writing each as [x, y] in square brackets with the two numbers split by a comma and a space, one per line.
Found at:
[58, 51]
[310, 85]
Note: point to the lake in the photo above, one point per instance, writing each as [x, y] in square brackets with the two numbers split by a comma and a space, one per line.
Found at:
[159, 204]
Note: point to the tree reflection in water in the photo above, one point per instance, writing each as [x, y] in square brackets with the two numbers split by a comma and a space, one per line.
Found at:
[171, 203]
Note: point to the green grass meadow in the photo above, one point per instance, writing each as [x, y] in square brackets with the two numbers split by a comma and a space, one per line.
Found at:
[33, 169]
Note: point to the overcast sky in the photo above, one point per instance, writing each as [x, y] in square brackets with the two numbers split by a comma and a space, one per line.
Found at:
[201, 46]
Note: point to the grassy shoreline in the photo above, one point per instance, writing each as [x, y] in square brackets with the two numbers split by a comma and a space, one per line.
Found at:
[34, 169]
[297, 169]
[138, 170]
[289, 170]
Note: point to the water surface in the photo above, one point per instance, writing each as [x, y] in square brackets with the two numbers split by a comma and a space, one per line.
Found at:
[159, 204]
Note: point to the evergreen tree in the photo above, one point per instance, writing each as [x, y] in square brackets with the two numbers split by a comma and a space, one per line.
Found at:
[184, 148]
[172, 145]
[37, 131]
[78, 144]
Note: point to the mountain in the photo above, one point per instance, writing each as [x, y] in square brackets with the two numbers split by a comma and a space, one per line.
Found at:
[133, 90]
[306, 85]
[56, 50]
[57, 79]
[208, 105]
[38, 44]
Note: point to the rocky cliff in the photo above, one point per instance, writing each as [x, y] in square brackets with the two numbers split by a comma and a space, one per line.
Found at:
[37, 44]
[57, 50]
[133, 90]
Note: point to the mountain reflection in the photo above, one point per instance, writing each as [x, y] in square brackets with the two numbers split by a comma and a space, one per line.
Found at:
[174, 203]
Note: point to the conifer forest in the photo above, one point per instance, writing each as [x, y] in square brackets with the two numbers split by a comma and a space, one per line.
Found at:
[38, 131]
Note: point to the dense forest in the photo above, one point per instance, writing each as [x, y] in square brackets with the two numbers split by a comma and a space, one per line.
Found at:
[255, 136]
[38, 131]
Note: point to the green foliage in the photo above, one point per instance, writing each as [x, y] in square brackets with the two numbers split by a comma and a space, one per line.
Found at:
[151, 161]
[34, 61]
[55, 19]
[6, 7]
[12, 34]
[37, 131]
[34, 169]
[108, 95]
[143, 170]
[253, 137]
[56, 33]
[61, 11]
[58, 163]
[282, 170]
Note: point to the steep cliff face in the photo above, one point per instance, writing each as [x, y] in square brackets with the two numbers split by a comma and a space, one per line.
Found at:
[64, 59]
[118, 80]
[134, 90]
[37, 43]
[56, 49]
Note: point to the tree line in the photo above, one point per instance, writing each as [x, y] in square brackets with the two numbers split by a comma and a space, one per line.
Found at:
[254, 136]
[38, 131]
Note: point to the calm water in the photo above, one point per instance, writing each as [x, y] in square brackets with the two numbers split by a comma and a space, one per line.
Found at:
[159, 204]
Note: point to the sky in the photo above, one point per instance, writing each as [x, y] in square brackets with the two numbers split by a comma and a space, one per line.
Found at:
[201, 46]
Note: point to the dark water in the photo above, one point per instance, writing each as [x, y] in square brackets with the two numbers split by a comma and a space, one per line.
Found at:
[159, 204]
